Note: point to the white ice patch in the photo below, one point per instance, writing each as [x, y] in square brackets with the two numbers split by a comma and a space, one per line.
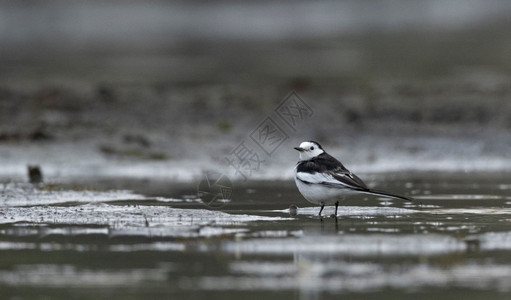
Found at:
[491, 241]
[310, 277]
[18, 194]
[355, 245]
[353, 211]
[458, 197]
[161, 221]
[475, 211]
[68, 276]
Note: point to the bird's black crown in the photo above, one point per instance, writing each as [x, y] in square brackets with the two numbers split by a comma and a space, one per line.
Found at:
[319, 146]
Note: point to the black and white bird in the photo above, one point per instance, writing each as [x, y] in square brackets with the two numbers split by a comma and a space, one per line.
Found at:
[323, 180]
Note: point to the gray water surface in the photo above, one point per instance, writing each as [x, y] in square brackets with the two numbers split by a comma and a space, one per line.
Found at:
[125, 239]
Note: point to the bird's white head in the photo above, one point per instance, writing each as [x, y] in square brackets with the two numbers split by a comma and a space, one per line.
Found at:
[309, 150]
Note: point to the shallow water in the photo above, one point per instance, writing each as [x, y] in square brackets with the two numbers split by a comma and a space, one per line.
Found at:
[127, 239]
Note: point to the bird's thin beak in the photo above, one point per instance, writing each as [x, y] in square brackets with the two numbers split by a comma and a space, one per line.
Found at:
[299, 149]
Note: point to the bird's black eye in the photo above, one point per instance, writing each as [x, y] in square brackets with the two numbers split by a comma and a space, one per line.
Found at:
[312, 148]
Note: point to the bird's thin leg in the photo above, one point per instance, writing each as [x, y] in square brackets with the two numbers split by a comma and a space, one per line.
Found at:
[336, 205]
[322, 206]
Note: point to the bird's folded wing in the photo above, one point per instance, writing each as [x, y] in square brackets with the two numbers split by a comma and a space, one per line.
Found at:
[342, 179]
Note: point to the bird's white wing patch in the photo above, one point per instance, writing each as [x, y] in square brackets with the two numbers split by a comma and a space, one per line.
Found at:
[309, 177]
[321, 178]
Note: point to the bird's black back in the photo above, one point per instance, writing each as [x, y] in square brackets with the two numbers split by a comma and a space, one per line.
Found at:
[319, 164]
[325, 163]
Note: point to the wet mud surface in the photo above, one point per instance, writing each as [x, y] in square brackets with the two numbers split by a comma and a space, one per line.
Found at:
[137, 239]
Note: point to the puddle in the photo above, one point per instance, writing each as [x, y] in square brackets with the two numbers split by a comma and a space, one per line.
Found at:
[266, 240]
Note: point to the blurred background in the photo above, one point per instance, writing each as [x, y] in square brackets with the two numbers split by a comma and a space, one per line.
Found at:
[168, 88]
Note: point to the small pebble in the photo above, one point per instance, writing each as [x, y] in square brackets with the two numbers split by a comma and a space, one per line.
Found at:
[293, 210]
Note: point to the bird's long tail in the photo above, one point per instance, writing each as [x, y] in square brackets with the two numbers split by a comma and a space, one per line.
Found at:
[385, 194]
